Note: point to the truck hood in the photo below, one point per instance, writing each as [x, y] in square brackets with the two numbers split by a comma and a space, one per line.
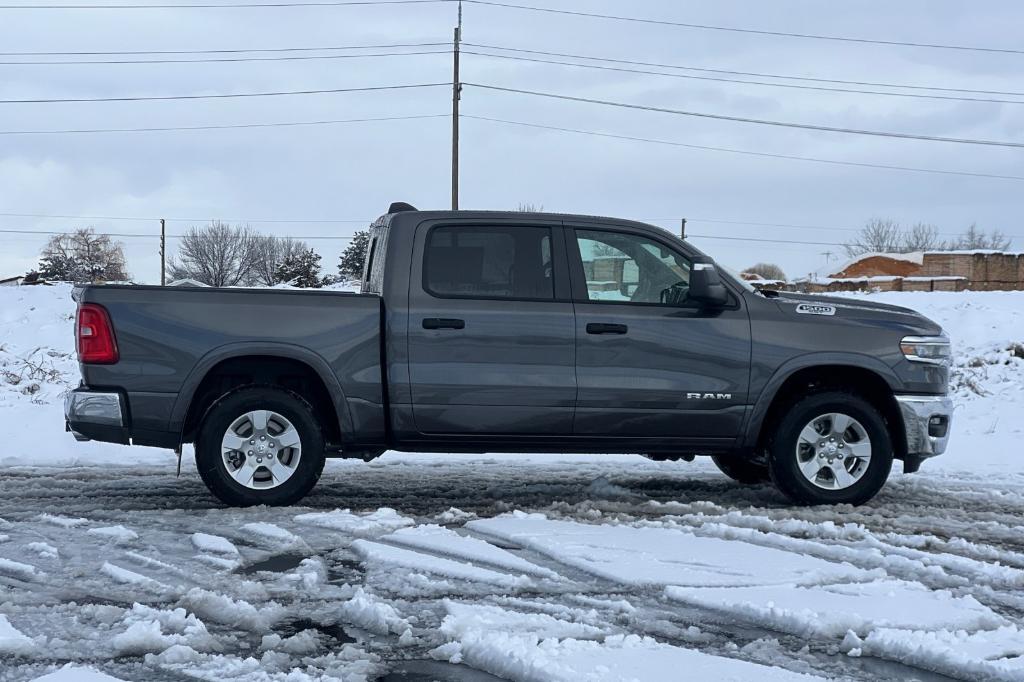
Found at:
[839, 308]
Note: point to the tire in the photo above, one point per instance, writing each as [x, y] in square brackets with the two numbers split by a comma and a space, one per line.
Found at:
[742, 469]
[287, 469]
[795, 452]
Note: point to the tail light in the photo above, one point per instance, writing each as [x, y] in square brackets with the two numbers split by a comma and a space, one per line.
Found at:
[95, 335]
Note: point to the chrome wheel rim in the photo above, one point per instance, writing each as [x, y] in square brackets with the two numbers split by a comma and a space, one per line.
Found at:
[261, 449]
[833, 451]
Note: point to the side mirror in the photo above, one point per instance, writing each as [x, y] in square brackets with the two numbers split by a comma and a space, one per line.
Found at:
[706, 286]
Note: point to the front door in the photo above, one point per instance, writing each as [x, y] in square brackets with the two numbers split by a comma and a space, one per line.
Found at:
[645, 366]
[491, 330]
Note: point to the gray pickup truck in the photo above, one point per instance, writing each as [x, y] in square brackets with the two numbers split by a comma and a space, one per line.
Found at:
[515, 332]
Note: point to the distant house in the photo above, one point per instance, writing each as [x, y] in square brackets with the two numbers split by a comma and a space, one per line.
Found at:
[877, 265]
[187, 282]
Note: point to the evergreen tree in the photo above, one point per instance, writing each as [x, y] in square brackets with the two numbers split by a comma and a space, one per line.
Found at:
[353, 257]
[300, 269]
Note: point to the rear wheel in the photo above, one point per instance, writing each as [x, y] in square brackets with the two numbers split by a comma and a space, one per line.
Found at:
[742, 469]
[831, 448]
[260, 445]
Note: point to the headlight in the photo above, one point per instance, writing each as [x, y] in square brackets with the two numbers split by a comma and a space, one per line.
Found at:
[930, 349]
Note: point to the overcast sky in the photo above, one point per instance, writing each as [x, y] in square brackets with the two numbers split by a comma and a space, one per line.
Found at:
[351, 172]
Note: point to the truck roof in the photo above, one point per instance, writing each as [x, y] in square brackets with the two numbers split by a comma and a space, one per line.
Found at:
[419, 215]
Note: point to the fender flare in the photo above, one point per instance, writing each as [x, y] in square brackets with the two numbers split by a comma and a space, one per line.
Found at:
[248, 348]
[759, 409]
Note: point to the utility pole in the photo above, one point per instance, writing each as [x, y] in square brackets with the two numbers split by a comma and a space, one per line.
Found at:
[456, 95]
[682, 228]
[163, 252]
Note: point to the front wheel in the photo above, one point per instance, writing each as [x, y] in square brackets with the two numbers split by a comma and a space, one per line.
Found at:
[831, 448]
[260, 445]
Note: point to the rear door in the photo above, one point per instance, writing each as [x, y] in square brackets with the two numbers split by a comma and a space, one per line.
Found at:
[491, 329]
[646, 367]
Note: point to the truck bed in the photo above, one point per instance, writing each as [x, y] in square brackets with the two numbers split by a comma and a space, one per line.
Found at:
[169, 338]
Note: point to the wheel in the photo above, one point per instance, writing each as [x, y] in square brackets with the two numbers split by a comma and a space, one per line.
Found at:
[830, 448]
[260, 445]
[742, 469]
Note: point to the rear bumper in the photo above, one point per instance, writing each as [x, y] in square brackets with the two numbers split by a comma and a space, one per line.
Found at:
[97, 415]
[927, 420]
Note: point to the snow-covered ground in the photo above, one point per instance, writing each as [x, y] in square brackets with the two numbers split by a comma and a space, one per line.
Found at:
[534, 568]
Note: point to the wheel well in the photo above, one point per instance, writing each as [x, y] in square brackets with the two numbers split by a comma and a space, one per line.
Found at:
[863, 382]
[294, 375]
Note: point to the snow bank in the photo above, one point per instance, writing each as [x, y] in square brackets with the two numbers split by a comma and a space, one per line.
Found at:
[993, 655]
[118, 534]
[375, 554]
[832, 610]
[272, 532]
[12, 641]
[661, 556]
[539, 648]
[76, 673]
[366, 611]
[213, 543]
[380, 521]
[444, 541]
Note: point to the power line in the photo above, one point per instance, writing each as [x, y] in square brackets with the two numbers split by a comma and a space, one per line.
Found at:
[209, 60]
[118, 53]
[149, 98]
[328, 221]
[634, 138]
[764, 240]
[758, 121]
[755, 74]
[808, 227]
[155, 235]
[735, 29]
[232, 5]
[226, 126]
[719, 79]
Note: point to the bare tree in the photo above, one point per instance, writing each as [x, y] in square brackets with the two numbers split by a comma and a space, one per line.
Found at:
[219, 255]
[530, 208]
[922, 237]
[83, 256]
[974, 238]
[878, 236]
[270, 253]
[767, 271]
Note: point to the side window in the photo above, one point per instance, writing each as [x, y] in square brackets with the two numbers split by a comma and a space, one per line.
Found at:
[632, 268]
[368, 265]
[489, 262]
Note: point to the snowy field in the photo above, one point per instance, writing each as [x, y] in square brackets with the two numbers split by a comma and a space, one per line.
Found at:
[471, 568]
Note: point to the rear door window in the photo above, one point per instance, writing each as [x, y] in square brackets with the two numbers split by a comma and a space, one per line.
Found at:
[492, 262]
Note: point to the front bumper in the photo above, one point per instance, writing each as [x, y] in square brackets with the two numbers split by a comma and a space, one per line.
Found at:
[96, 415]
[927, 420]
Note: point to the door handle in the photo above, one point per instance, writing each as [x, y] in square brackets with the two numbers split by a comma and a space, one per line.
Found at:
[606, 328]
[443, 323]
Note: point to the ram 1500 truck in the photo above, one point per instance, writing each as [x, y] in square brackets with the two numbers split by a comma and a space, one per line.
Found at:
[515, 332]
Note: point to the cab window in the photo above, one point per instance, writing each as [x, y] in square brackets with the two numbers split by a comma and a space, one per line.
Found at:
[631, 268]
[511, 262]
